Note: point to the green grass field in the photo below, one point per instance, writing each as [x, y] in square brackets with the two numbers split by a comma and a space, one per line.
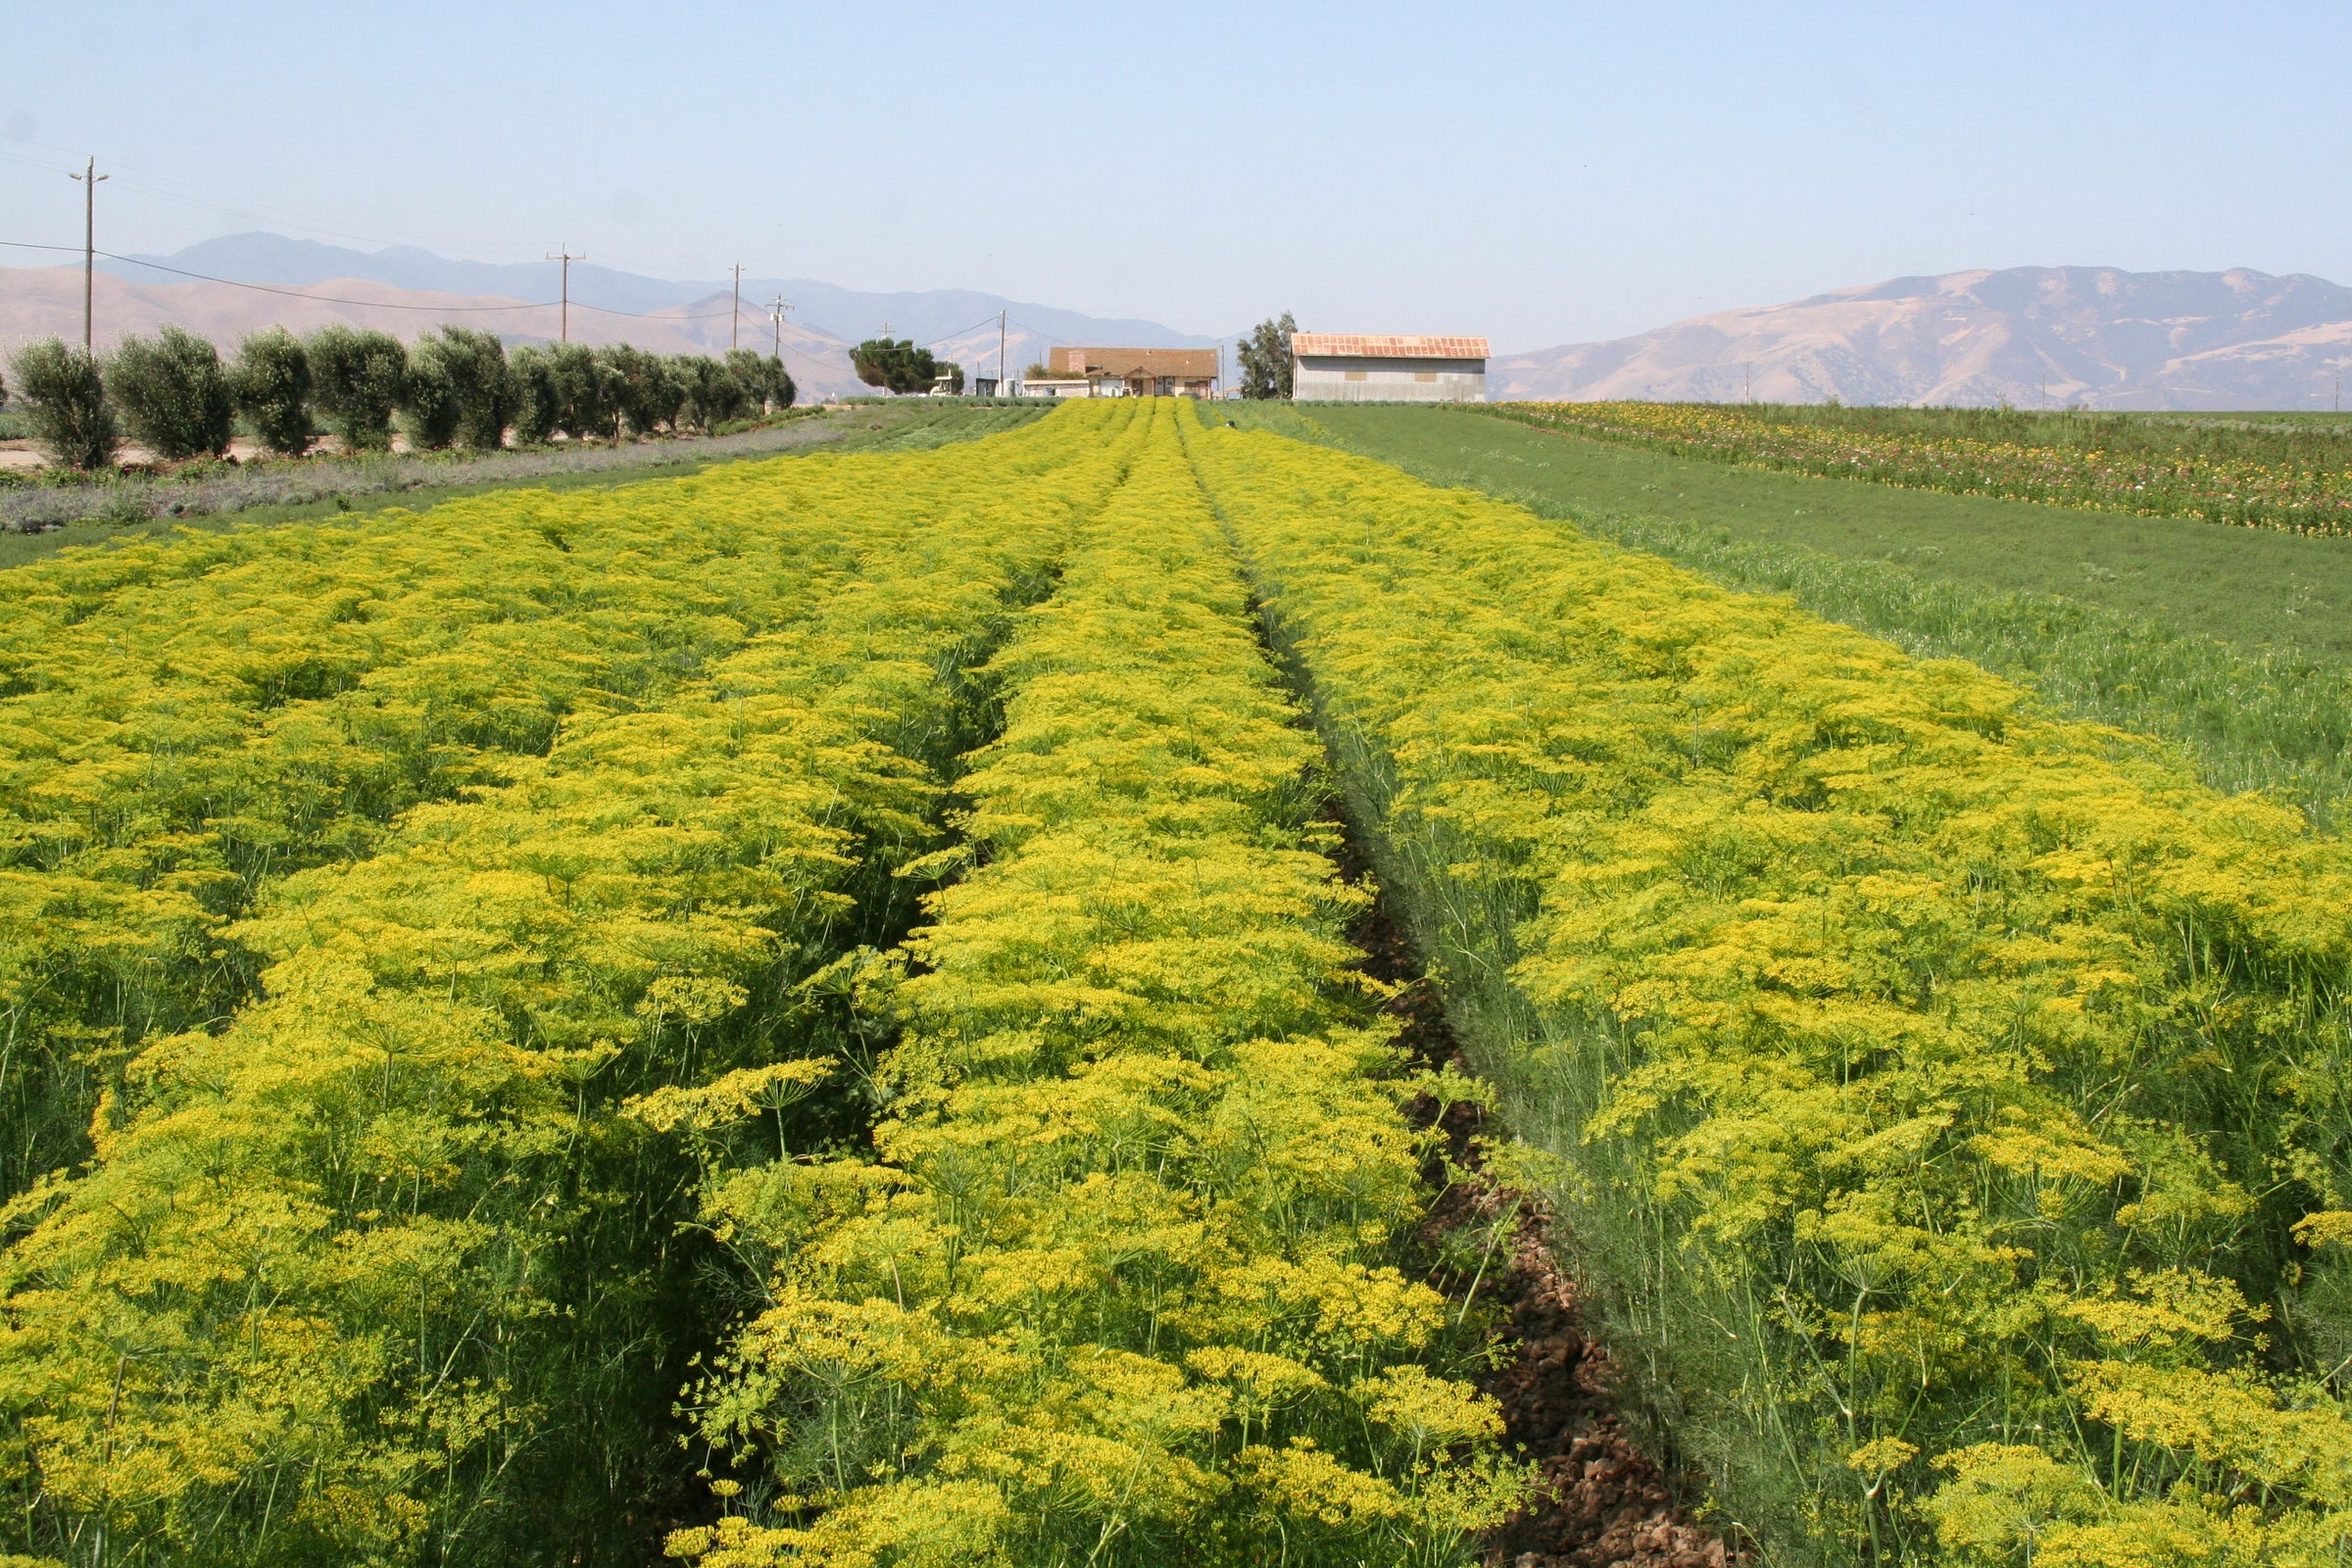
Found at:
[2233, 643]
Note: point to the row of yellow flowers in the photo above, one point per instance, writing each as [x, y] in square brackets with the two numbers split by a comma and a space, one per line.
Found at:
[2184, 477]
[1955, 1099]
[378, 1272]
[1120, 1282]
[189, 721]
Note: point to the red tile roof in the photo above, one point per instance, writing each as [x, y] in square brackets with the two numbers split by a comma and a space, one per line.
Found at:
[1353, 345]
[1199, 364]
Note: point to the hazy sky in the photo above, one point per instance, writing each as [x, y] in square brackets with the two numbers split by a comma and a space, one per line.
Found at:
[1539, 174]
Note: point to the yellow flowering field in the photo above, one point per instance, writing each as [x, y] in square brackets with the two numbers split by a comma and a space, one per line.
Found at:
[806, 1014]
[1954, 1097]
[378, 1269]
[1118, 1281]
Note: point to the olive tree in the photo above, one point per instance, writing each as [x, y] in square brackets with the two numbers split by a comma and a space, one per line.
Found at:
[714, 393]
[67, 404]
[538, 412]
[584, 391]
[174, 394]
[429, 408]
[475, 366]
[764, 379]
[646, 392]
[270, 384]
[357, 379]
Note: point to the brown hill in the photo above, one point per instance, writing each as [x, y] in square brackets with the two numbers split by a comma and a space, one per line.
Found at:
[2029, 336]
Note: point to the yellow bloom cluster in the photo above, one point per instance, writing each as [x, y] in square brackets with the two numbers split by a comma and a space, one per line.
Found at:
[188, 721]
[2296, 484]
[381, 1263]
[1948, 1087]
[1120, 1283]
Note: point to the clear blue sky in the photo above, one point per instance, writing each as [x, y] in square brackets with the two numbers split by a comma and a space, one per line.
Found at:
[1539, 174]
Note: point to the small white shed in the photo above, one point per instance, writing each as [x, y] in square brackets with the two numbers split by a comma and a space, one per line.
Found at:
[1353, 367]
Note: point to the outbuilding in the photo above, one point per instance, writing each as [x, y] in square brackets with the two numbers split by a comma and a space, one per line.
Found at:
[1355, 368]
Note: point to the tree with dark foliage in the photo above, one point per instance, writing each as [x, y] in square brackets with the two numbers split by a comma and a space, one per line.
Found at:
[894, 367]
[1264, 357]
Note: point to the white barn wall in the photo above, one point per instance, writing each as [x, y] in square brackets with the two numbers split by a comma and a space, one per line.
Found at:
[1322, 377]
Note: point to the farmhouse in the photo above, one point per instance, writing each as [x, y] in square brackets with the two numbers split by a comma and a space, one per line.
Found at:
[1136, 373]
[1347, 368]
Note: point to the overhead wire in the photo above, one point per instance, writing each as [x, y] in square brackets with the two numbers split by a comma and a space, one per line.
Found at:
[382, 304]
[236, 205]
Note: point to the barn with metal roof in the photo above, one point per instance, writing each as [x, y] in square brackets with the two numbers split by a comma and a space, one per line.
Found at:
[1357, 367]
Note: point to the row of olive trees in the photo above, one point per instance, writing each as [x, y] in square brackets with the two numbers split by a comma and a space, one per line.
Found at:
[456, 387]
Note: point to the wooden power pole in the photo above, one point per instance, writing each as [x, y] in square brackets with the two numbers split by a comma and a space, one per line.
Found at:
[563, 254]
[735, 321]
[90, 242]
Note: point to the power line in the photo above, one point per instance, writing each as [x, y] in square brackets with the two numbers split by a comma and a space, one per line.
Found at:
[951, 336]
[238, 206]
[381, 305]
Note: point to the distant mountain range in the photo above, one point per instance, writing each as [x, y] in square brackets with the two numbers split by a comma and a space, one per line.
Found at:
[848, 314]
[2032, 336]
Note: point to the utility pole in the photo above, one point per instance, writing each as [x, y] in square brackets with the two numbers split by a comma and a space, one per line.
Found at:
[562, 253]
[90, 242]
[1004, 383]
[735, 321]
[775, 310]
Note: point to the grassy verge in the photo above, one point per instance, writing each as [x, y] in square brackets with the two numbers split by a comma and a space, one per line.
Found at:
[864, 429]
[2233, 643]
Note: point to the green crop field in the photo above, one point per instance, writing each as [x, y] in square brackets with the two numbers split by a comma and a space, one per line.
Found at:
[1106, 987]
[2252, 471]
